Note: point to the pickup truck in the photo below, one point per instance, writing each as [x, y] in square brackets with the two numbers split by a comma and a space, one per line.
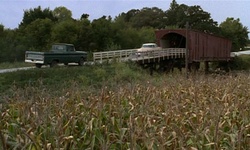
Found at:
[60, 53]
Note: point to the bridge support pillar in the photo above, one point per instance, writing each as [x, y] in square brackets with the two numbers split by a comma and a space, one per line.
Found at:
[206, 63]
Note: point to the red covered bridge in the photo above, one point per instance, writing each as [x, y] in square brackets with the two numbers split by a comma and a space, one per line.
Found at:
[201, 46]
[175, 45]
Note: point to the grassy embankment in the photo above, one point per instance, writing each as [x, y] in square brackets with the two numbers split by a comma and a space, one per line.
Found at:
[7, 65]
[121, 107]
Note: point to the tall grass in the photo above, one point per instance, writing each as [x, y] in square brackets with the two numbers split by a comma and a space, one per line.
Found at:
[121, 107]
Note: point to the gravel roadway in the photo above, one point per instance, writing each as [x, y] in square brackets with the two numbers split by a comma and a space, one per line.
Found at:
[14, 69]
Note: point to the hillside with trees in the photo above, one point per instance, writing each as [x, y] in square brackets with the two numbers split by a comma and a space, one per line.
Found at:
[40, 28]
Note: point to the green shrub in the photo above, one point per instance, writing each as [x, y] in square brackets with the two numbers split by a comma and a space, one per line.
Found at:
[100, 73]
[124, 73]
[240, 63]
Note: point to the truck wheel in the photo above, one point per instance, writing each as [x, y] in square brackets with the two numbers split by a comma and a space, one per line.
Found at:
[81, 62]
[38, 65]
[53, 64]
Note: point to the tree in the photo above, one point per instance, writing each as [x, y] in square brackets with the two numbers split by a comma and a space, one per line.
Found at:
[85, 35]
[65, 32]
[234, 30]
[128, 38]
[173, 5]
[2, 43]
[38, 34]
[148, 17]
[130, 14]
[200, 20]
[36, 13]
[62, 13]
[103, 33]
[120, 22]
[147, 35]
[178, 15]
[84, 16]
[170, 16]
[1, 29]
[12, 48]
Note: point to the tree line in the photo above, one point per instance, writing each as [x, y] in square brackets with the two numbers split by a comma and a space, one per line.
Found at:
[40, 28]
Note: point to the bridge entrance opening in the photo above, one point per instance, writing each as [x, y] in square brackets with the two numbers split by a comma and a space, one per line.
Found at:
[173, 40]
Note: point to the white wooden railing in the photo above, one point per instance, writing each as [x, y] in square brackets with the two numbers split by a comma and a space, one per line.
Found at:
[119, 54]
[167, 52]
[134, 55]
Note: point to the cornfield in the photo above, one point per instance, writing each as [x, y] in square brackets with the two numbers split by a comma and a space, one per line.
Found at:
[164, 112]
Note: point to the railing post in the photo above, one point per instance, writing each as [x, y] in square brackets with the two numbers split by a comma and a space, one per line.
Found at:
[101, 57]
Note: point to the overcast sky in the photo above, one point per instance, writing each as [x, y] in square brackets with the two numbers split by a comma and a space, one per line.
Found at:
[11, 11]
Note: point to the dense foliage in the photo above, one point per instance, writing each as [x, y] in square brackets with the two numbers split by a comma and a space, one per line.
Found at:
[40, 28]
[119, 106]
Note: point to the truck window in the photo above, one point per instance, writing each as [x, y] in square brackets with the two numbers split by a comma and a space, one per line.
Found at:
[71, 48]
[58, 47]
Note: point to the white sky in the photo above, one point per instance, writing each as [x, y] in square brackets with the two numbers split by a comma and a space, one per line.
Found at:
[11, 11]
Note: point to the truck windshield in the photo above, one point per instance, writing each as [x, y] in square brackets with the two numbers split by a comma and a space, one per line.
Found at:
[148, 45]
